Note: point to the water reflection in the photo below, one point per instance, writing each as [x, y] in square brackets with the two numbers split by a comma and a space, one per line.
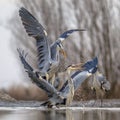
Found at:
[66, 114]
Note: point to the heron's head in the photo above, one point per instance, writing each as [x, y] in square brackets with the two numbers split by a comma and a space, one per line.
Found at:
[61, 48]
[105, 85]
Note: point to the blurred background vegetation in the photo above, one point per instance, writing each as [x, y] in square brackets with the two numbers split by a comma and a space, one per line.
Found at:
[102, 39]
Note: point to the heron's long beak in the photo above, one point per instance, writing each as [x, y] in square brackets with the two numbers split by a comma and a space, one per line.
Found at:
[64, 53]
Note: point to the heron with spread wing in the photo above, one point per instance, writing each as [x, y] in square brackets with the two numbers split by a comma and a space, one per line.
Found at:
[60, 97]
[48, 55]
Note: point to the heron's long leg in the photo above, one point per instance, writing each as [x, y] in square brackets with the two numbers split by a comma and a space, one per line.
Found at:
[52, 80]
[70, 82]
[101, 101]
[94, 92]
[71, 91]
[47, 76]
[94, 102]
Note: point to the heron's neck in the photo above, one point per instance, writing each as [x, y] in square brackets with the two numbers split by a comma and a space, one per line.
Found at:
[71, 91]
[96, 83]
[55, 52]
[70, 81]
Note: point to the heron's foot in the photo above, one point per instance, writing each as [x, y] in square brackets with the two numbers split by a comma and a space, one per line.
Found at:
[83, 105]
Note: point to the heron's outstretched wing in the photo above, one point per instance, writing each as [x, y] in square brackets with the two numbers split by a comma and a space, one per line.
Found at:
[40, 82]
[81, 75]
[22, 56]
[64, 35]
[64, 85]
[43, 84]
[61, 38]
[36, 30]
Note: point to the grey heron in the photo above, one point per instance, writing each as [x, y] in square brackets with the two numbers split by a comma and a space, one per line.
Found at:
[100, 85]
[69, 69]
[59, 97]
[48, 55]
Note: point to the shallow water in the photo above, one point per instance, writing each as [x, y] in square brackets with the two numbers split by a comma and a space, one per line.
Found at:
[71, 113]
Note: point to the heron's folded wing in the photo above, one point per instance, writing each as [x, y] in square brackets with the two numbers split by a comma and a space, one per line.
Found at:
[36, 30]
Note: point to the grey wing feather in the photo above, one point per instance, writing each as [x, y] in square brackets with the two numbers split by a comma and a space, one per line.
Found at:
[22, 56]
[64, 85]
[31, 24]
[43, 84]
[36, 30]
[78, 79]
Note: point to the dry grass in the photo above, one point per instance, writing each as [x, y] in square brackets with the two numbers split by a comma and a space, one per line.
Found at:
[27, 93]
[32, 92]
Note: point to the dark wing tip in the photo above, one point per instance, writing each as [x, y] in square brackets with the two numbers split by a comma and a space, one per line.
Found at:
[95, 60]
[31, 24]
[91, 65]
[22, 9]
[69, 32]
[25, 14]
[79, 29]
